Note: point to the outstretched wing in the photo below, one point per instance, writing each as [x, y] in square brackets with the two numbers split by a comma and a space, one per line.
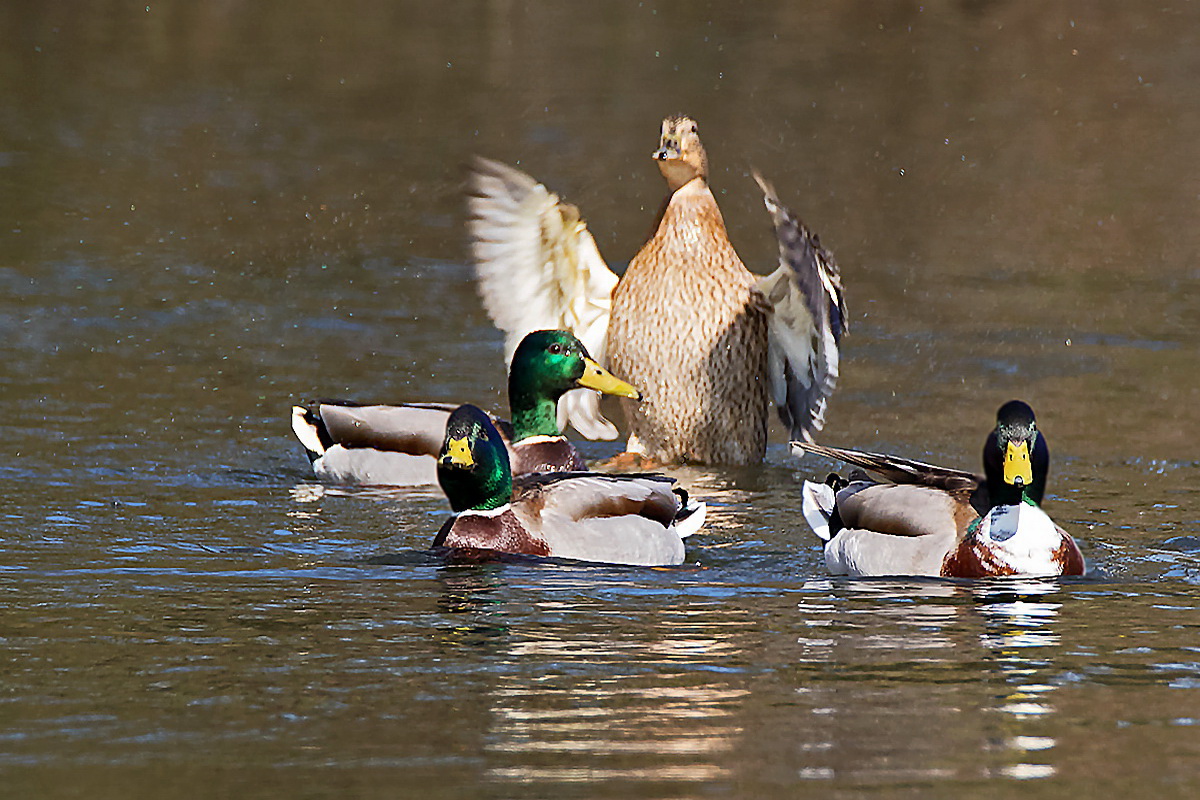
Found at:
[807, 324]
[538, 269]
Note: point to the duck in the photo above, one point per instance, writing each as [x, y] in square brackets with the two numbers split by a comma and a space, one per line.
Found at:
[397, 445]
[928, 520]
[639, 520]
[710, 343]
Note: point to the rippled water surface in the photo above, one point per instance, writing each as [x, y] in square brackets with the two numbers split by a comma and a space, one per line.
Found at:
[210, 210]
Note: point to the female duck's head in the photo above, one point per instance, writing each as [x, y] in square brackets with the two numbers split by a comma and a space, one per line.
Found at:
[546, 365]
[680, 155]
[1016, 458]
[472, 466]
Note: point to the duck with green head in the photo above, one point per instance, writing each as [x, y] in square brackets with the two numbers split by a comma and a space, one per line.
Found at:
[397, 445]
[929, 520]
[583, 516]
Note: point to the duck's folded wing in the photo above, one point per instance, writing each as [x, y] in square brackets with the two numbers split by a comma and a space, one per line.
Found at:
[416, 429]
[809, 318]
[898, 509]
[605, 518]
[895, 529]
[898, 470]
[587, 495]
[539, 269]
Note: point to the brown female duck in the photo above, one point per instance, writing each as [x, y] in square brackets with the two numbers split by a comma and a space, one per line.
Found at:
[708, 342]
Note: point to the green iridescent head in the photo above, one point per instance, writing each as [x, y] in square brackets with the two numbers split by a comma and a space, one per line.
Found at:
[546, 365]
[472, 466]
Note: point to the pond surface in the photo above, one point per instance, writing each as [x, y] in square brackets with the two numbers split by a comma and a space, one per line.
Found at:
[212, 210]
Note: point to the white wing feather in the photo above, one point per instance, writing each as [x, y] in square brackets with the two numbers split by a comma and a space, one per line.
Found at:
[539, 269]
[807, 324]
[816, 503]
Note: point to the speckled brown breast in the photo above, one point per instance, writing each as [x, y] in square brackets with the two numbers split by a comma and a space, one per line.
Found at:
[689, 329]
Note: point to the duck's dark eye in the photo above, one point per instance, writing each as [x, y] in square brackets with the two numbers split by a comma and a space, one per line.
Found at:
[694, 129]
[556, 349]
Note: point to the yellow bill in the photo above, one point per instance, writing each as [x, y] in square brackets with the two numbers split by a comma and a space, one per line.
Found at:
[1017, 469]
[458, 452]
[598, 378]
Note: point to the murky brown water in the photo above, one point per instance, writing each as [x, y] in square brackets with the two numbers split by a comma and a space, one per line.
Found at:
[209, 210]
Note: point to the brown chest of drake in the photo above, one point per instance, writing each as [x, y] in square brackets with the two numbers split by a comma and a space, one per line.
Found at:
[498, 530]
[689, 329]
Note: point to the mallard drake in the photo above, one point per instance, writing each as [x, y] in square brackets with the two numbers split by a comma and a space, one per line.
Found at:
[585, 516]
[931, 520]
[397, 445]
[706, 340]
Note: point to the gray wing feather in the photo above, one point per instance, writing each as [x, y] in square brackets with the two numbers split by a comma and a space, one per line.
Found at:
[808, 322]
[411, 429]
[897, 469]
[901, 510]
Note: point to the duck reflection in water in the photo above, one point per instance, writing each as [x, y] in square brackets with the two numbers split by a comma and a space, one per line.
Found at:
[585, 675]
[632, 701]
[471, 604]
[878, 648]
[1019, 618]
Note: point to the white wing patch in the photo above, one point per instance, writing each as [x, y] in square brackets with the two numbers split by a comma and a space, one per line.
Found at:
[539, 269]
[816, 503]
[693, 521]
[306, 431]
